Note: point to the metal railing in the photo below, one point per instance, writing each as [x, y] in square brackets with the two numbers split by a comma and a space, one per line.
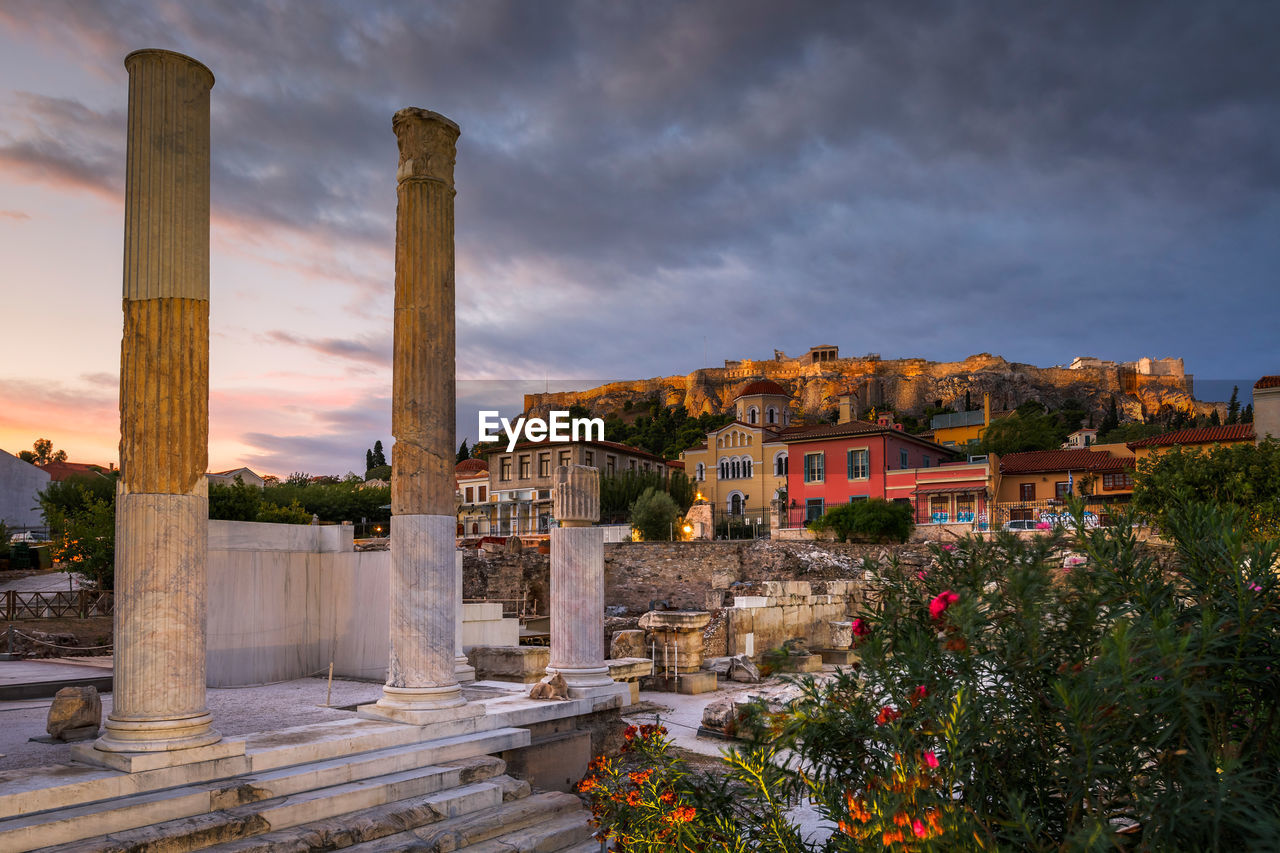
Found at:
[78, 604]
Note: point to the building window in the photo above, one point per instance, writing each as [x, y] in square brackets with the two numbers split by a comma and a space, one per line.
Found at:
[504, 472]
[735, 469]
[481, 495]
[753, 415]
[904, 460]
[609, 464]
[859, 464]
[964, 507]
[470, 494]
[1062, 489]
[771, 416]
[853, 499]
[939, 507]
[591, 458]
[780, 463]
[813, 509]
[564, 457]
[1113, 482]
[544, 464]
[724, 469]
[924, 461]
[735, 504]
[524, 467]
[746, 467]
[1027, 492]
[814, 467]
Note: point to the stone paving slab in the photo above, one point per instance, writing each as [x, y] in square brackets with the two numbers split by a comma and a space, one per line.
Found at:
[42, 582]
[37, 679]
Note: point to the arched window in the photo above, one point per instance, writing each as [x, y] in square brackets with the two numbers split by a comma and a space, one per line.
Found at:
[771, 416]
[780, 463]
[735, 503]
[702, 472]
[735, 468]
[724, 469]
[753, 414]
[746, 467]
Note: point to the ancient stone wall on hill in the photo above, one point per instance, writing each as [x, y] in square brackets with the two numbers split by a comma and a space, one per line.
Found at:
[906, 385]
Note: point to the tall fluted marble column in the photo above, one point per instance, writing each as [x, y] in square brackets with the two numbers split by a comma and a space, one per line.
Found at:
[577, 580]
[422, 684]
[158, 702]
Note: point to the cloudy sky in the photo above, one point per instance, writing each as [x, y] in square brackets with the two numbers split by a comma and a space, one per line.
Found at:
[643, 183]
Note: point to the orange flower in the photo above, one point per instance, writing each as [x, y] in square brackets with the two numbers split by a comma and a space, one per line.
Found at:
[901, 819]
[893, 837]
[634, 798]
[683, 814]
[667, 797]
[639, 777]
[588, 785]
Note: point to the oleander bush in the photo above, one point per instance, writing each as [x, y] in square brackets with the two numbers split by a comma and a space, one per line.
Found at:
[1065, 692]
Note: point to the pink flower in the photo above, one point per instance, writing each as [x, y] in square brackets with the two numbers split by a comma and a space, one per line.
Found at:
[922, 574]
[1255, 587]
[948, 547]
[931, 759]
[921, 692]
[941, 602]
[917, 826]
[859, 628]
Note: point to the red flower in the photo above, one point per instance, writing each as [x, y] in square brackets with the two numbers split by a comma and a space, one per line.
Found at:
[859, 628]
[931, 759]
[918, 828]
[941, 602]
[887, 715]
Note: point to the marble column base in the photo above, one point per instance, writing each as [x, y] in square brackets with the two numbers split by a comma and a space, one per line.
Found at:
[463, 670]
[421, 706]
[151, 735]
[596, 676]
[137, 762]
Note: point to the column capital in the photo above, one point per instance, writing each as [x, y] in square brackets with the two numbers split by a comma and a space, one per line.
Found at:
[575, 495]
[428, 145]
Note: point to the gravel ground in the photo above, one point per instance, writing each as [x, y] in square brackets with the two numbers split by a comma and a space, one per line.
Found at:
[236, 711]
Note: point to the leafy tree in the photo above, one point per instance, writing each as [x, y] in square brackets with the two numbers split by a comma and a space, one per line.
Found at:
[620, 491]
[876, 519]
[85, 541]
[75, 494]
[1214, 420]
[1233, 406]
[381, 473]
[1243, 478]
[1026, 429]
[464, 452]
[663, 432]
[379, 459]
[43, 453]
[1132, 432]
[655, 515]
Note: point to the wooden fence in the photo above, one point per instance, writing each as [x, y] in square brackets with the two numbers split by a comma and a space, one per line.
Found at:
[79, 604]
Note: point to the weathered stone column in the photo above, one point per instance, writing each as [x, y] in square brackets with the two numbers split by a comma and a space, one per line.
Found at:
[422, 685]
[162, 506]
[577, 580]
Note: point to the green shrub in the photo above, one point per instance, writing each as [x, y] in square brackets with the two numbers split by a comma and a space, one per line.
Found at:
[875, 520]
[655, 515]
[85, 541]
[1004, 702]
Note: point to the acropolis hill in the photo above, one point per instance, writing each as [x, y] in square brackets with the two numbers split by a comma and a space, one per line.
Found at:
[907, 385]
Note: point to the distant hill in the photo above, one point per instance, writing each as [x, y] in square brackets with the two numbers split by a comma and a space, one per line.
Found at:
[908, 386]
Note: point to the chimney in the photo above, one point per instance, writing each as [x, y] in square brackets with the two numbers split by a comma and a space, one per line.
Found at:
[986, 410]
[846, 409]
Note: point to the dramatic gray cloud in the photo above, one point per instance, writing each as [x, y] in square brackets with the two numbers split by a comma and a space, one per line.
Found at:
[933, 179]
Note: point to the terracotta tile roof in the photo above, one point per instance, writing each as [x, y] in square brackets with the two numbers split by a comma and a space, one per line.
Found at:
[549, 445]
[1041, 461]
[764, 386]
[818, 432]
[676, 463]
[1267, 382]
[1200, 435]
[59, 471]
[470, 466]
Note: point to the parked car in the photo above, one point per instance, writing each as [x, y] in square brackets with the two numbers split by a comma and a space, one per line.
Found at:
[1021, 524]
[24, 536]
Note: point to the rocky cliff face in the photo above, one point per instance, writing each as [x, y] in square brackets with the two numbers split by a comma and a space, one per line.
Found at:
[907, 386]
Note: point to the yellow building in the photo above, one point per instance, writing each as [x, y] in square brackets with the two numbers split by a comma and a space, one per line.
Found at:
[960, 429]
[742, 465]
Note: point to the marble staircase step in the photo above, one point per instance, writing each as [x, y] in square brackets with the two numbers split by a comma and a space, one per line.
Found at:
[98, 817]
